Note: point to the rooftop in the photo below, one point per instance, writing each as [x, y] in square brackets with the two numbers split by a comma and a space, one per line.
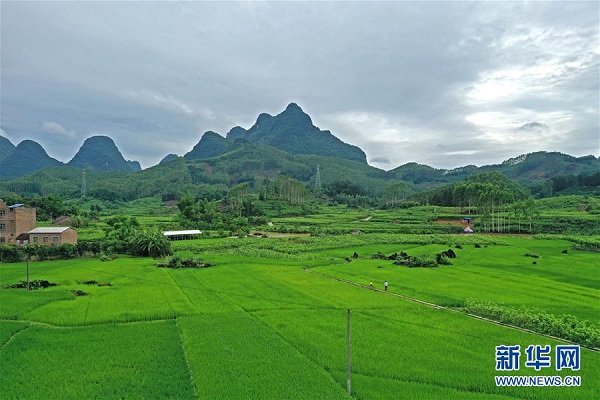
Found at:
[178, 233]
[50, 229]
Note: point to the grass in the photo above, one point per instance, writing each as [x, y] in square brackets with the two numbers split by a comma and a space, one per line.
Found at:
[257, 325]
[257, 364]
[110, 361]
[558, 283]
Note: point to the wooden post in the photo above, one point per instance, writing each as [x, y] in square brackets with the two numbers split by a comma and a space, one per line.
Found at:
[349, 386]
[28, 283]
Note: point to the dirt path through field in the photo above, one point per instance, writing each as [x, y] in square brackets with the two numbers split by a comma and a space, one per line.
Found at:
[437, 306]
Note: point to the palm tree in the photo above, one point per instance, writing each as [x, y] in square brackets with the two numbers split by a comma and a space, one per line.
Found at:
[150, 242]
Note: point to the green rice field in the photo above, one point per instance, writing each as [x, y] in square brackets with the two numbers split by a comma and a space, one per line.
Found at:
[269, 321]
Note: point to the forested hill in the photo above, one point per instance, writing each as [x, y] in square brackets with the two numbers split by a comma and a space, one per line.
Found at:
[246, 162]
[97, 154]
[291, 131]
[6, 148]
[26, 158]
[525, 169]
[286, 144]
[100, 154]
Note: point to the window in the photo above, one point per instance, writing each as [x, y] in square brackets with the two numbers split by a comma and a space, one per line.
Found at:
[45, 239]
[54, 239]
[35, 239]
[2, 239]
[2, 227]
[2, 212]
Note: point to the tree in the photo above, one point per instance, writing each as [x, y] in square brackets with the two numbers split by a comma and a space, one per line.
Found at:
[150, 242]
[121, 228]
[291, 190]
[395, 193]
[236, 197]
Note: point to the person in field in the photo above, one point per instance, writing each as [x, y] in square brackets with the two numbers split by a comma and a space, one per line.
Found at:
[371, 284]
[385, 285]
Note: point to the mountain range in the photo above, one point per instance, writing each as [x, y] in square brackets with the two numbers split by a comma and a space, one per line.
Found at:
[287, 143]
[98, 153]
[291, 131]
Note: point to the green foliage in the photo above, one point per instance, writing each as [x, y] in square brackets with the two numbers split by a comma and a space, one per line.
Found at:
[210, 145]
[107, 257]
[265, 327]
[35, 284]
[98, 361]
[563, 182]
[424, 261]
[6, 148]
[418, 173]
[149, 243]
[395, 194]
[9, 253]
[47, 207]
[583, 243]
[291, 190]
[307, 245]
[484, 190]
[67, 251]
[177, 262]
[99, 153]
[28, 157]
[121, 228]
[565, 326]
[292, 131]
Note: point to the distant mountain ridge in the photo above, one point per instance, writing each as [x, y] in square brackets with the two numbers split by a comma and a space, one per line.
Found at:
[26, 158]
[282, 144]
[210, 145]
[524, 168]
[100, 154]
[291, 131]
[6, 148]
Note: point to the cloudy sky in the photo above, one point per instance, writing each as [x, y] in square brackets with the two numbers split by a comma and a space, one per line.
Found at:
[440, 83]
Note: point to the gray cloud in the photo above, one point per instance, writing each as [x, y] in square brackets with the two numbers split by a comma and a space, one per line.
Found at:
[441, 83]
[533, 125]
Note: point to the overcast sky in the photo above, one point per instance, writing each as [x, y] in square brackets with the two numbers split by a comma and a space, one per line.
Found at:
[440, 83]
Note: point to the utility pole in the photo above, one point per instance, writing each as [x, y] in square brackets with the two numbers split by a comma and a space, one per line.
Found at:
[349, 386]
[28, 283]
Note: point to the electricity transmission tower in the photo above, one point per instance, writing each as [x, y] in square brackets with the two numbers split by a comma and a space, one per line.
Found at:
[318, 187]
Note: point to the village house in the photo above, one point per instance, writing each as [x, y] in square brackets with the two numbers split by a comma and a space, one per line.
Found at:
[15, 221]
[52, 236]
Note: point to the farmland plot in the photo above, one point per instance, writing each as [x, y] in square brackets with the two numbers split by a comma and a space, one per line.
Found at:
[135, 360]
[261, 327]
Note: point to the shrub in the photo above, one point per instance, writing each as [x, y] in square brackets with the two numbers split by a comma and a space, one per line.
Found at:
[177, 262]
[424, 261]
[107, 256]
[150, 242]
[565, 326]
[34, 285]
[10, 254]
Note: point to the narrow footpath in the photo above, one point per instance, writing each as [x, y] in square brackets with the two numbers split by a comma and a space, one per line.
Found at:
[439, 307]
